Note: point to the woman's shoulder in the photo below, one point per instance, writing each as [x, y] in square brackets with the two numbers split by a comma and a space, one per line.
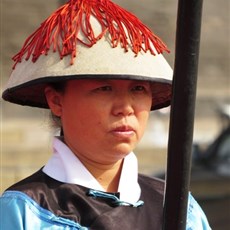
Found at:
[36, 186]
[20, 212]
[152, 182]
[151, 186]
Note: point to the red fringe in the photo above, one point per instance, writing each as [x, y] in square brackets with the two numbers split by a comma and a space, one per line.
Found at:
[60, 31]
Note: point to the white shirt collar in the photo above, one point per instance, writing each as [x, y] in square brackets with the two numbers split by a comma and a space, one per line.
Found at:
[64, 166]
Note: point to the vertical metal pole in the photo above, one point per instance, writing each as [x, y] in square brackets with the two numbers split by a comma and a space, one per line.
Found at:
[182, 113]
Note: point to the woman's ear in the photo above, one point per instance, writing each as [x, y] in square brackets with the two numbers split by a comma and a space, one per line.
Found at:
[54, 100]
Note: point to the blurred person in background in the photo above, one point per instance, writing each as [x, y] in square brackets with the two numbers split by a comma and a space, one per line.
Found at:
[100, 71]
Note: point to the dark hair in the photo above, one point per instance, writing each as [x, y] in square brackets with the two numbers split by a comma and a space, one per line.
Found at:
[59, 86]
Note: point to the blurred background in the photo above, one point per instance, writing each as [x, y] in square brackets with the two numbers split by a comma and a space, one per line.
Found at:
[26, 134]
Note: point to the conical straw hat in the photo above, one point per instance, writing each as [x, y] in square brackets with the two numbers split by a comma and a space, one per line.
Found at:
[87, 39]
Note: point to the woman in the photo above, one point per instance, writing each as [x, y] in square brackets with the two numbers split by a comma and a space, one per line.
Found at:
[101, 81]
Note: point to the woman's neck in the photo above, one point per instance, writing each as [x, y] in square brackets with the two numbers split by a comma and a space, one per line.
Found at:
[108, 176]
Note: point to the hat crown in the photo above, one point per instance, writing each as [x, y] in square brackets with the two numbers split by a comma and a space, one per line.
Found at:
[74, 23]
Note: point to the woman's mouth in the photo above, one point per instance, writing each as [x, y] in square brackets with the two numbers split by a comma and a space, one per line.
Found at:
[123, 132]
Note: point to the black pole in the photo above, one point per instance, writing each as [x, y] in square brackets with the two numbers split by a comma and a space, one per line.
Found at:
[182, 114]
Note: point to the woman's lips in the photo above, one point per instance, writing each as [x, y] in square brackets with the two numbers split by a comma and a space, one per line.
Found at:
[123, 131]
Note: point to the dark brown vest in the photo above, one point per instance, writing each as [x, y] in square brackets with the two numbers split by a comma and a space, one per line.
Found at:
[73, 202]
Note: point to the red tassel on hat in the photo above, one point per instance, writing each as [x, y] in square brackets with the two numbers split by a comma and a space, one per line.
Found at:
[60, 32]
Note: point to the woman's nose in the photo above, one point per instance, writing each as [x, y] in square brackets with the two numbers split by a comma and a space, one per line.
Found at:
[123, 105]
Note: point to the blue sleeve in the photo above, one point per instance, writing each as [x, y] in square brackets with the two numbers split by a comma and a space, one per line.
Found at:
[20, 212]
[12, 213]
[196, 219]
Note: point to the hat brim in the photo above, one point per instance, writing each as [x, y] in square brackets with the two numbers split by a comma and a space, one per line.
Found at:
[32, 93]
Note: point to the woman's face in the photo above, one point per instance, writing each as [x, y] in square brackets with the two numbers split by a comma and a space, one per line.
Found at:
[103, 120]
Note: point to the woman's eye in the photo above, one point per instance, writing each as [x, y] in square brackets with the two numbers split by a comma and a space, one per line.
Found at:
[139, 88]
[104, 88]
